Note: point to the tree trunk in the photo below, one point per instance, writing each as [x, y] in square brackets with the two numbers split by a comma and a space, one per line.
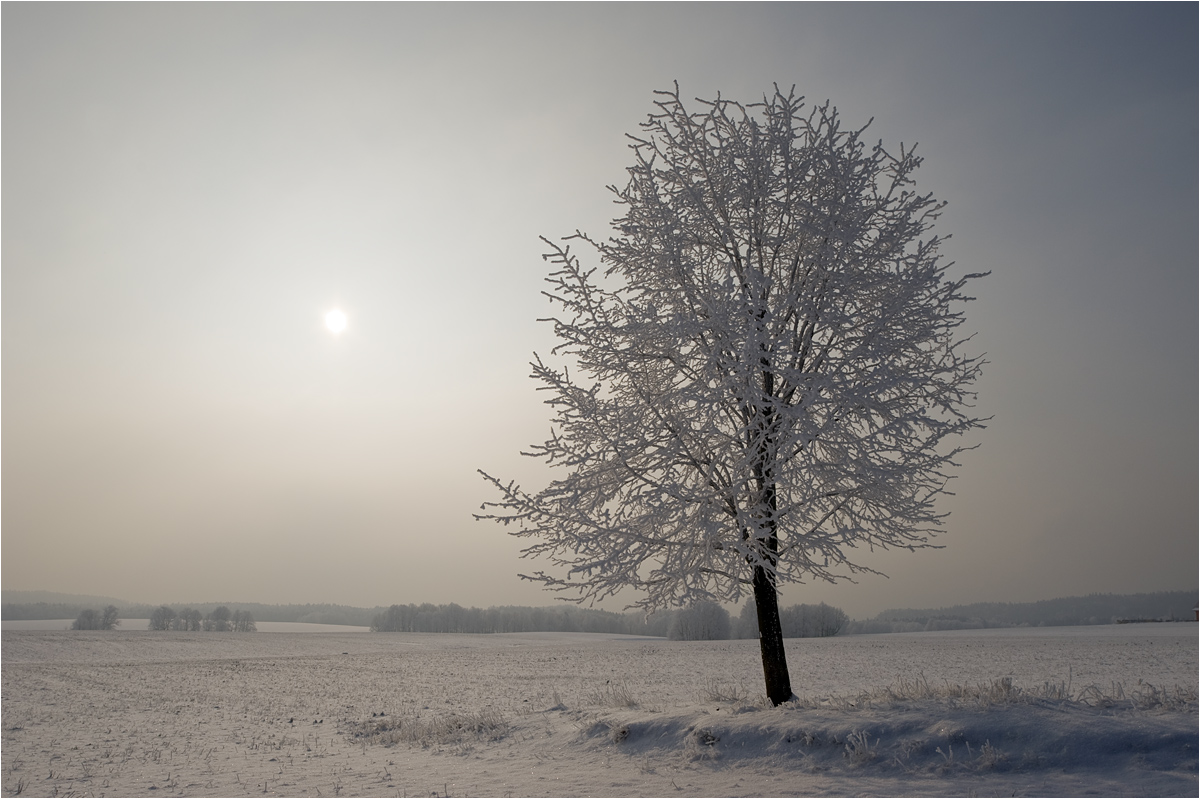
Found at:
[766, 599]
[770, 639]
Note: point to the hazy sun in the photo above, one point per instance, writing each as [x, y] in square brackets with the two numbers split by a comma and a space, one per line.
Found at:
[335, 320]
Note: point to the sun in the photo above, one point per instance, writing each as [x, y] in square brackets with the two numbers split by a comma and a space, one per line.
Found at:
[335, 320]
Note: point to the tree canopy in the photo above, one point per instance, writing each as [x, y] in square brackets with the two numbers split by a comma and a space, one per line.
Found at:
[767, 370]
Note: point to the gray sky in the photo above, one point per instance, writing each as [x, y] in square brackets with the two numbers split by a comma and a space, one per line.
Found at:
[187, 189]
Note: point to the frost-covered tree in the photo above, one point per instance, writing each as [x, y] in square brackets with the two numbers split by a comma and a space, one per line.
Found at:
[765, 373]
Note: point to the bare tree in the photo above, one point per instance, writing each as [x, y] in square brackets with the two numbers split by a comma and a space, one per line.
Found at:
[218, 620]
[107, 619]
[767, 372]
[242, 621]
[189, 619]
[162, 618]
[86, 620]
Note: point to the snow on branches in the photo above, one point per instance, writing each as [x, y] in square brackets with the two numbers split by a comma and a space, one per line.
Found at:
[766, 374]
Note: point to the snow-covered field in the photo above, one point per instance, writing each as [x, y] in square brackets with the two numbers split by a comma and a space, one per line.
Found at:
[982, 713]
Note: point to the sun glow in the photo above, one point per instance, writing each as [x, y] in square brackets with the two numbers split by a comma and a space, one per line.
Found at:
[335, 320]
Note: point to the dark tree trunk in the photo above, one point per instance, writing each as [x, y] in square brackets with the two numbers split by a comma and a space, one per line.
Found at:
[770, 639]
[766, 599]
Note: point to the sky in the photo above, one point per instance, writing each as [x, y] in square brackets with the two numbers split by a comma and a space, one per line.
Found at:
[189, 188]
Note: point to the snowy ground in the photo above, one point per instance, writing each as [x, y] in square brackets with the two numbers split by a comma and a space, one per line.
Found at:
[298, 714]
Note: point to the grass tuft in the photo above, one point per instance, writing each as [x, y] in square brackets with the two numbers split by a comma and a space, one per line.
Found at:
[486, 724]
[614, 695]
[1003, 691]
[714, 691]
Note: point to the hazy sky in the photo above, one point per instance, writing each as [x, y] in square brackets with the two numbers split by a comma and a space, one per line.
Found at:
[189, 188]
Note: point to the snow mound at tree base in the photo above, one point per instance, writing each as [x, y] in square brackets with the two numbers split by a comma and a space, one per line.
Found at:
[929, 736]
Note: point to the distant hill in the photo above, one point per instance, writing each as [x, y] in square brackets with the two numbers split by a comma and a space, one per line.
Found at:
[52, 604]
[57, 598]
[1063, 612]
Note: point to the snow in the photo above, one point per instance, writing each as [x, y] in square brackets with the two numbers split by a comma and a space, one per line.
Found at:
[977, 712]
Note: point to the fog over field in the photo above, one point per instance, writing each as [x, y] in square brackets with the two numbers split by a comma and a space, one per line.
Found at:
[190, 191]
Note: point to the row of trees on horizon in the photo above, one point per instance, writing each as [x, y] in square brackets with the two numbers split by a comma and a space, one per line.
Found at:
[220, 620]
[89, 619]
[307, 613]
[1065, 611]
[700, 621]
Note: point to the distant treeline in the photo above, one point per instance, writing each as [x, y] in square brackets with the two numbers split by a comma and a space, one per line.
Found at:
[11, 611]
[313, 614]
[1064, 612]
[798, 620]
[220, 620]
[454, 618]
[702, 621]
[310, 614]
